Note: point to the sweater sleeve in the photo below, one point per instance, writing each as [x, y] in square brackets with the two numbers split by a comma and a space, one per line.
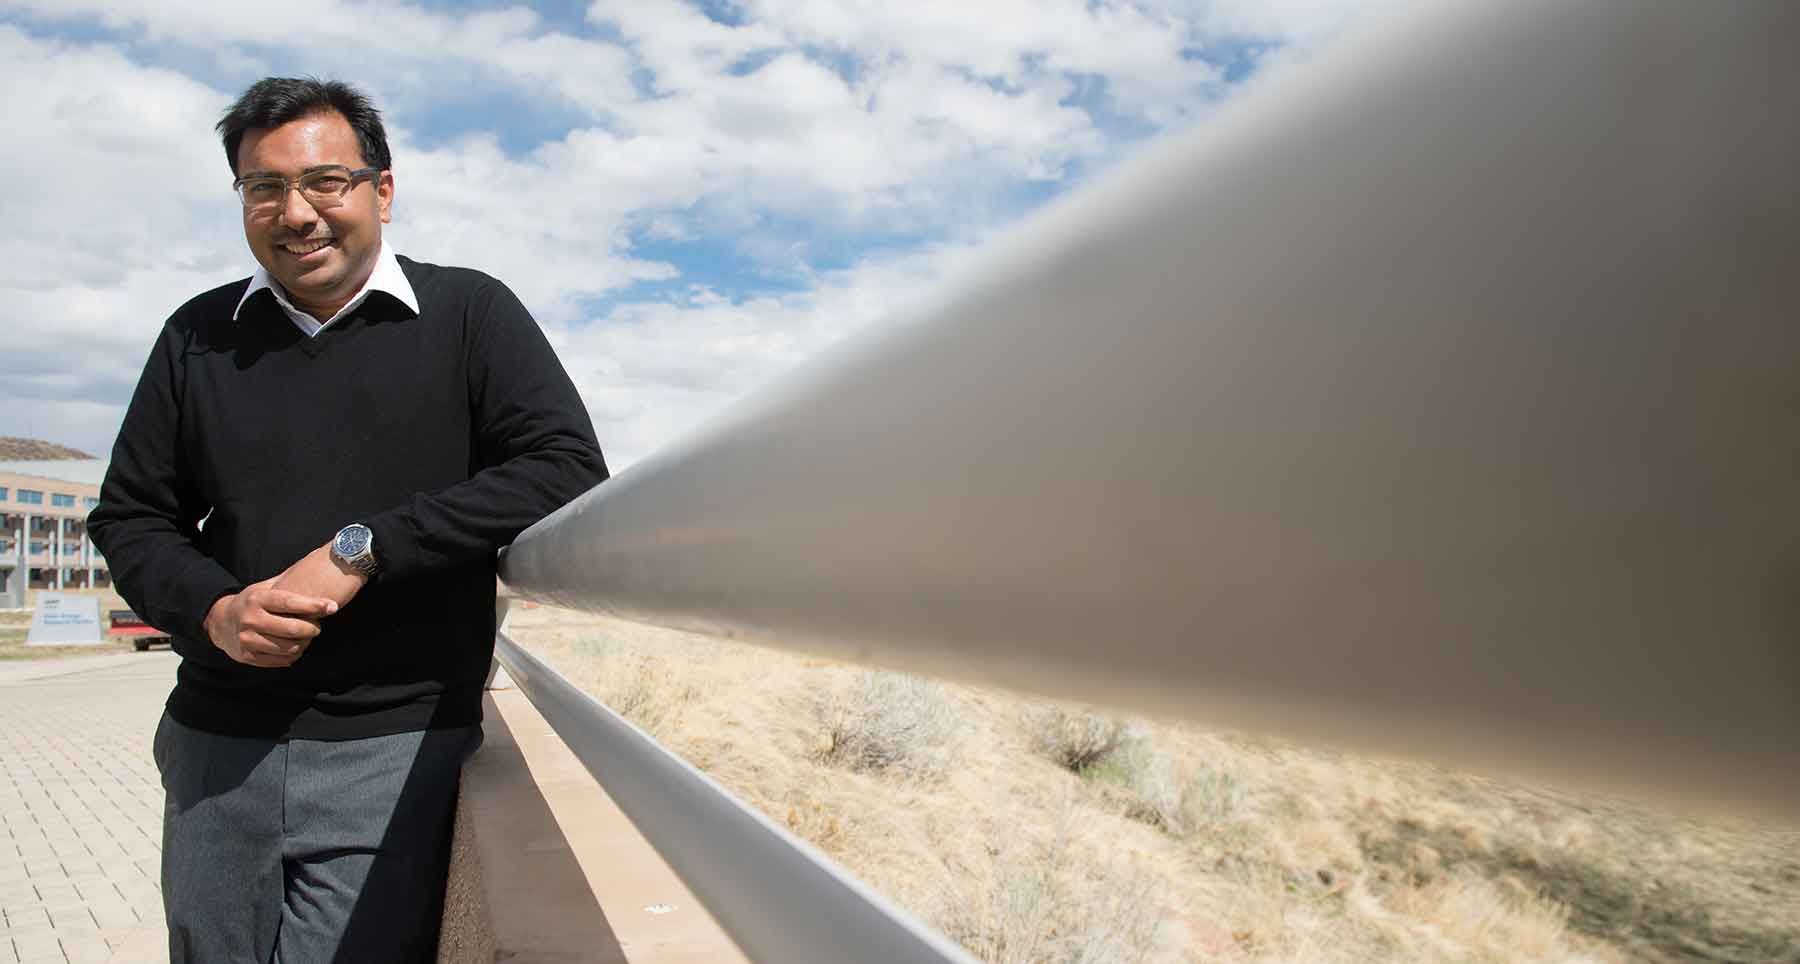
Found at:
[535, 445]
[147, 522]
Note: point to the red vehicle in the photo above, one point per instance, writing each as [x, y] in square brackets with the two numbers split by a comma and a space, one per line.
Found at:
[124, 624]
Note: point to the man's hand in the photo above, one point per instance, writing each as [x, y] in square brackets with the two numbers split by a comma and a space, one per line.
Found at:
[264, 625]
[272, 622]
[319, 573]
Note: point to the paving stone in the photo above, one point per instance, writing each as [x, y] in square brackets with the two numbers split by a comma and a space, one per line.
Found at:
[29, 930]
[104, 846]
[37, 947]
[120, 871]
[55, 895]
[27, 920]
[73, 920]
[86, 950]
[114, 917]
[141, 894]
[91, 892]
[103, 898]
[80, 806]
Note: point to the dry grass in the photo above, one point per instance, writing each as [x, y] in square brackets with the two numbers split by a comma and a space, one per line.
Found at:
[1148, 783]
[889, 722]
[1078, 740]
[1035, 833]
[1047, 902]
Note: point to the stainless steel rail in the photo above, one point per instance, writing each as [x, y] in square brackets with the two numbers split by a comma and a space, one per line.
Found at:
[1441, 398]
[778, 898]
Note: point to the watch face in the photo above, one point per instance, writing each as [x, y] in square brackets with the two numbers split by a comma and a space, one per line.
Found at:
[352, 541]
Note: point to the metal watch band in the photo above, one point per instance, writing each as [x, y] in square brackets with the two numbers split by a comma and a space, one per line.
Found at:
[362, 559]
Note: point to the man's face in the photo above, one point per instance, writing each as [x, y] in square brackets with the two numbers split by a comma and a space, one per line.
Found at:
[321, 257]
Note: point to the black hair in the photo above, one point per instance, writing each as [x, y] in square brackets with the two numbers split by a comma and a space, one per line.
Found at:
[274, 101]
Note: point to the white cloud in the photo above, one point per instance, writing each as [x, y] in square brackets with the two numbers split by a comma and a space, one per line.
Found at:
[391, 48]
[653, 370]
[119, 211]
[786, 141]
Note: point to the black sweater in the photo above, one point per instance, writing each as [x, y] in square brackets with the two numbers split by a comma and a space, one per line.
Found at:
[447, 433]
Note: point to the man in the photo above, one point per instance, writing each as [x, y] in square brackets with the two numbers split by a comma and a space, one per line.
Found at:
[307, 493]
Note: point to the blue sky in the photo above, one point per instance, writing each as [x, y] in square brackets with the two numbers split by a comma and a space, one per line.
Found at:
[690, 196]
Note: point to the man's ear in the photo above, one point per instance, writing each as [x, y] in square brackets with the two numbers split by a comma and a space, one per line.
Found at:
[384, 195]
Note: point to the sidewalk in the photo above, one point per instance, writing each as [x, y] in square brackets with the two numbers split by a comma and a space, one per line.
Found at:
[81, 809]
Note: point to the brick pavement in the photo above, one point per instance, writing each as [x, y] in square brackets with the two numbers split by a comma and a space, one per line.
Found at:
[81, 808]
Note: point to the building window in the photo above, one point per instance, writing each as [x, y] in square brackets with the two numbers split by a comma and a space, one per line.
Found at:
[31, 497]
[90, 501]
[39, 548]
[2, 493]
[61, 501]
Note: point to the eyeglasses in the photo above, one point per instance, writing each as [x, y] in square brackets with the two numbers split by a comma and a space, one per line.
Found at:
[322, 187]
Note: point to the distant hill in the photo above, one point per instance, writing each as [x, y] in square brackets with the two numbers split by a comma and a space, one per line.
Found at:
[22, 449]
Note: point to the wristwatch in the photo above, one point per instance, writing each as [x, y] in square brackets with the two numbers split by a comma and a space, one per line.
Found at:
[354, 545]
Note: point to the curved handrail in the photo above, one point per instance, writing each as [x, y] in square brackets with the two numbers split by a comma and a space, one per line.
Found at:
[1436, 399]
[778, 898]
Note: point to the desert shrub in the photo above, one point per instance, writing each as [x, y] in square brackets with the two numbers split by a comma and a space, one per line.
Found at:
[1152, 788]
[1212, 796]
[1078, 740]
[891, 722]
[1125, 757]
[642, 687]
[1155, 793]
[1048, 906]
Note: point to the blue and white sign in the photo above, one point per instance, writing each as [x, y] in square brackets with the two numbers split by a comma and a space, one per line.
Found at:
[65, 619]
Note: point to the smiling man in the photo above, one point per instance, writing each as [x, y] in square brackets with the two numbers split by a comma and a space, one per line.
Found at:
[311, 237]
[307, 493]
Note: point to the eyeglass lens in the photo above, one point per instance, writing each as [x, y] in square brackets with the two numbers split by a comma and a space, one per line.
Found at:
[325, 187]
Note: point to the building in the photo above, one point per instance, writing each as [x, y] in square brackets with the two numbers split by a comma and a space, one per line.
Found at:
[43, 527]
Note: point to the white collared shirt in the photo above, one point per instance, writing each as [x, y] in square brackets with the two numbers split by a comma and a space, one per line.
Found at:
[387, 277]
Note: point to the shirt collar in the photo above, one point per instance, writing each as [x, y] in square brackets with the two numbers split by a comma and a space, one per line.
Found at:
[386, 277]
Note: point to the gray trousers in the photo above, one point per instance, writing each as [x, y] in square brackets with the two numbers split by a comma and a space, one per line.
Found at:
[306, 851]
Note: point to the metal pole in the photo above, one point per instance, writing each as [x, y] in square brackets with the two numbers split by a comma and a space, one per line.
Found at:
[778, 898]
[1440, 399]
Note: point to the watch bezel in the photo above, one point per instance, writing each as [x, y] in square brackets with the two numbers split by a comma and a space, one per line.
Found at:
[354, 544]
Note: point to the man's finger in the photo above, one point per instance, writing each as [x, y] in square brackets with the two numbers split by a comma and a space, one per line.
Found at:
[251, 657]
[265, 645]
[296, 604]
[269, 624]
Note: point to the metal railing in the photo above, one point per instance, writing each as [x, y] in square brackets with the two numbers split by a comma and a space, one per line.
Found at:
[778, 898]
[1437, 399]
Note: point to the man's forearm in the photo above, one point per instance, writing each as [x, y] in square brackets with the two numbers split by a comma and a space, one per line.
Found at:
[534, 437]
[473, 519]
[323, 575]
